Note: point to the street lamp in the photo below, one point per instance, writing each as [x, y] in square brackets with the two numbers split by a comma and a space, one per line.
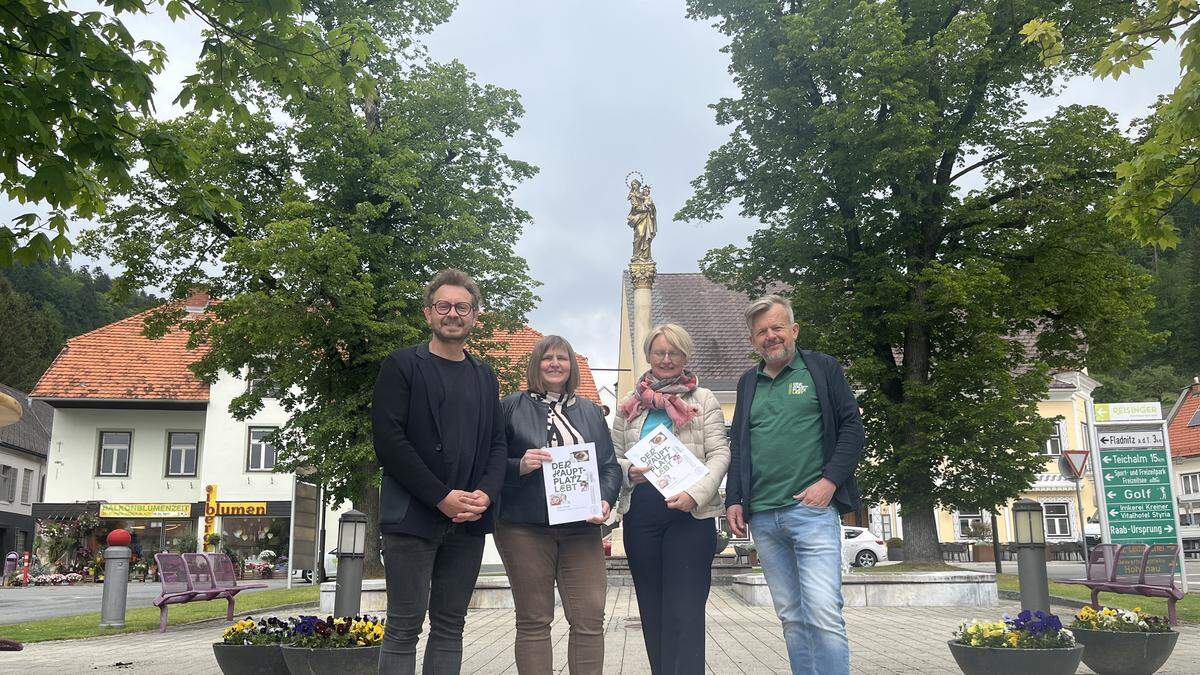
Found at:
[1029, 530]
[352, 544]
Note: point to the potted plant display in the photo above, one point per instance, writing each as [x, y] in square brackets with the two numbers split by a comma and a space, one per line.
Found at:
[1031, 642]
[1121, 642]
[895, 548]
[253, 648]
[345, 645]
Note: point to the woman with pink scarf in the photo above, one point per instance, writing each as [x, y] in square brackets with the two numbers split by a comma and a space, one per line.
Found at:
[671, 542]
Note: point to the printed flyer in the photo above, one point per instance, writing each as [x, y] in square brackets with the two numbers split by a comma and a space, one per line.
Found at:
[572, 483]
[673, 468]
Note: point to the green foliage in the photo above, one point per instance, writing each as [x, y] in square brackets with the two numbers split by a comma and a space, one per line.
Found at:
[949, 249]
[318, 236]
[1164, 173]
[78, 89]
[46, 303]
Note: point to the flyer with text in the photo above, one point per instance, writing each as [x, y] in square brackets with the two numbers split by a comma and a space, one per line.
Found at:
[672, 467]
[572, 483]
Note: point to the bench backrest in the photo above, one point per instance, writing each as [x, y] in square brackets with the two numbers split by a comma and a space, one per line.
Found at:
[1131, 560]
[222, 570]
[1161, 562]
[174, 572]
[200, 571]
[1101, 560]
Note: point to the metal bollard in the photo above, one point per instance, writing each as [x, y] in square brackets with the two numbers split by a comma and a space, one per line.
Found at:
[116, 579]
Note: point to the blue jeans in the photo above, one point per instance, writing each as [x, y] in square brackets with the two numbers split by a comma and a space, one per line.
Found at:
[801, 551]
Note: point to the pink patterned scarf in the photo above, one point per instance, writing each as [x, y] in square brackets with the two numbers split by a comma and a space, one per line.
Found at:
[653, 393]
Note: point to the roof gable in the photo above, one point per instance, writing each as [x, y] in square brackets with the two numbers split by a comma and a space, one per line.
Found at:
[1183, 426]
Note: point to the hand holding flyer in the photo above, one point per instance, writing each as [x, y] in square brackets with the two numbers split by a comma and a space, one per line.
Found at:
[671, 467]
[572, 482]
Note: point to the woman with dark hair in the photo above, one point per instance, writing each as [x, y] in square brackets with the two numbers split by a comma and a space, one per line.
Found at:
[538, 555]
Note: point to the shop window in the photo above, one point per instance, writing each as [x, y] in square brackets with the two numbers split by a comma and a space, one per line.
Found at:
[22, 541]
[250, 535]
[261, 454]
[114, 453]
[1058, 520]
[148, 537]
[182, 449]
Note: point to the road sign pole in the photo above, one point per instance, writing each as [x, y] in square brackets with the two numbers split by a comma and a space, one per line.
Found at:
[1183, 575]
[1082, 519]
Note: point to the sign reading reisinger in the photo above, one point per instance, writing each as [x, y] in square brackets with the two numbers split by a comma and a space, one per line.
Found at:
[1136, 484]
[1145, 411]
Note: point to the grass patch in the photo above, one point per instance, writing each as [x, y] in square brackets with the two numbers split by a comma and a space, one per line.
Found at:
[1188, 608]
[146, 618]
[906, 567]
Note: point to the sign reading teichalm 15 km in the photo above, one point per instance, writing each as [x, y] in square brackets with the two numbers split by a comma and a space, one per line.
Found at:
[1134, 477]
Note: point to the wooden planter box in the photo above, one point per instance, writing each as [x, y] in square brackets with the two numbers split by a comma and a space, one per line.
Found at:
[982, 553]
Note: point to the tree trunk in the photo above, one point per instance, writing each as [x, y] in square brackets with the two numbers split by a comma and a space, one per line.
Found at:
[367, 501]
[920, 534]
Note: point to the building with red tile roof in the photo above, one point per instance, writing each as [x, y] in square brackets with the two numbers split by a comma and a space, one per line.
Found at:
[1183, 423]
[517, 347]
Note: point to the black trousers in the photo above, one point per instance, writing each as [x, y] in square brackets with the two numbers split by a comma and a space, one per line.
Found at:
[428, 575]
[670, 557]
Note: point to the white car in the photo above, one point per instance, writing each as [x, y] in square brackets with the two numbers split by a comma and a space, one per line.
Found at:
[862, 548]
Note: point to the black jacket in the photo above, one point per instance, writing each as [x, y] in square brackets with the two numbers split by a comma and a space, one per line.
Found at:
[405, 416]
[841, 431]
[524, 497]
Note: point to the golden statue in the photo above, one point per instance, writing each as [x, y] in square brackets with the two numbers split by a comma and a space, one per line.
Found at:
[642, 218]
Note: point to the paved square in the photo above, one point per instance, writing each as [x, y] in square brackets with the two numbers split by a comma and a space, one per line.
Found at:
[741, 639]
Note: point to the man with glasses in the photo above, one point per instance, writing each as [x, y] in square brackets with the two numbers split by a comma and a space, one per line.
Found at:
[796, 439]
[443, 451]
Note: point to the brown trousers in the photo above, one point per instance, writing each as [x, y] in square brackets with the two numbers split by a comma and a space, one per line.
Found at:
[536, 557]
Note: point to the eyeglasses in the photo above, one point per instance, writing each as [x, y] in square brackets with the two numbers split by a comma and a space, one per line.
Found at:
[659, 355]
[460, 308]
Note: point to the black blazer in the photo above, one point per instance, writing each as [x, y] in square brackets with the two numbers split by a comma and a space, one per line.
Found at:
[405, 416]
[841, 431]
[524, 497]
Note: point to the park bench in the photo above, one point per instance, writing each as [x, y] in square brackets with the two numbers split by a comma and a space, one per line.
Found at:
[192, 577]
[1133, 569]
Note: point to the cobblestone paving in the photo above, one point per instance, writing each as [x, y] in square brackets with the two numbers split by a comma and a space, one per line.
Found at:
[741, 639]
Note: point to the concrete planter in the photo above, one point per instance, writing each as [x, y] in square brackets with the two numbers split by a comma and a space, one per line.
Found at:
[904, 589]
[1002, 661]
[250, 659]
[1114, 653]
[895, 552]
[349, 661]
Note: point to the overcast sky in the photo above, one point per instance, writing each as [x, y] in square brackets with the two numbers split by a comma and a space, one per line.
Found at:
[608, 87]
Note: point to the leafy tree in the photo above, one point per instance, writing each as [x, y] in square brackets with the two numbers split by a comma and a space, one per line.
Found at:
[951, 250]
[76, 300]
[342, 215]
[77, 85]
[29, 341]
[1165, 171]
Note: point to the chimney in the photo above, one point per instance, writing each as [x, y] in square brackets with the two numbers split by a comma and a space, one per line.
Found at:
[196, 301]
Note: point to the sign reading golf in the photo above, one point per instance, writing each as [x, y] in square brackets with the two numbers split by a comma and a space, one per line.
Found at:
[1135, 481]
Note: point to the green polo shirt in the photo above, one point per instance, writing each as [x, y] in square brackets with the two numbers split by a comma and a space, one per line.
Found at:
[785, 436]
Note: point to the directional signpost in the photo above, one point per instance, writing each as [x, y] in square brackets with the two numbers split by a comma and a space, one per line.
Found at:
[1132, 468]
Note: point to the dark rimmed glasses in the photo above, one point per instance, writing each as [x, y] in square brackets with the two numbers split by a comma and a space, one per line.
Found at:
[443, 307]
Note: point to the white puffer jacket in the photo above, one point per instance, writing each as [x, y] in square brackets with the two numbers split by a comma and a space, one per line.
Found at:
[704, 435]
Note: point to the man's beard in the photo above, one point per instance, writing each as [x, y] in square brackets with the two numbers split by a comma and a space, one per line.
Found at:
[444, 337]
[785, 353]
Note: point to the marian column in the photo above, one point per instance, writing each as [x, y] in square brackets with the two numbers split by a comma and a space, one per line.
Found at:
[643, 220]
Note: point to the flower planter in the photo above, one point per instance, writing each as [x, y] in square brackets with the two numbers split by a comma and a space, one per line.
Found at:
[1004, 661]
[982, 553]
[895, 552]
[1118, 653]
[350, 661]
[250, 659]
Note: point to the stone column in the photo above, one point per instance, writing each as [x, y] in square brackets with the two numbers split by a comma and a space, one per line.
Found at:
[642, 274]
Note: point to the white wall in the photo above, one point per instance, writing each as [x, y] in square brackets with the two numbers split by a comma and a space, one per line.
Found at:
[21, 462]
[74, 444]
[227, 442]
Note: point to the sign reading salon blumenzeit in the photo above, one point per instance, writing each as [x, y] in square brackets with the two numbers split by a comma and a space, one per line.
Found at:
[1132, 463]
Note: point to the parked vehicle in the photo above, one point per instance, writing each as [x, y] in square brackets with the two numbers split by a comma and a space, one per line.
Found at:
[861, 547]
